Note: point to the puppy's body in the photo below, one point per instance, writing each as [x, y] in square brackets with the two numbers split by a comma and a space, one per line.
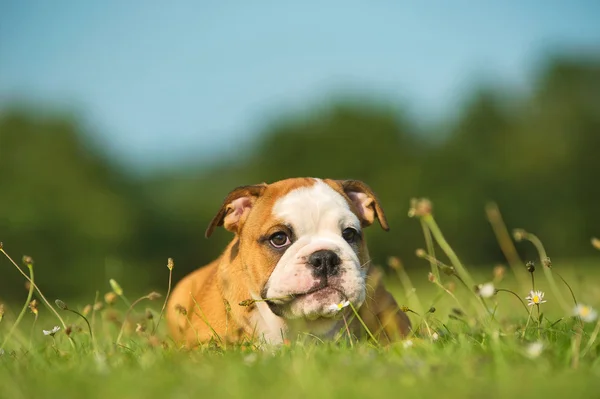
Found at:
[299, 250]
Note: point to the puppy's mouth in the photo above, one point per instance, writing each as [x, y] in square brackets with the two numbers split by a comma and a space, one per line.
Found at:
[323, 293]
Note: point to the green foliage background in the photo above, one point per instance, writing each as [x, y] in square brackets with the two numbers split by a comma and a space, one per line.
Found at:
[85, 218]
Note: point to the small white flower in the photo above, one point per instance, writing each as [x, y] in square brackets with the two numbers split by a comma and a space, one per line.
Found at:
[486, 290]
[435, 336]
[250, 359]
[338, 306]
[535, 298]
[585, 313]
[534, 349]
[101, 365]
[407, 344]
[51, 332]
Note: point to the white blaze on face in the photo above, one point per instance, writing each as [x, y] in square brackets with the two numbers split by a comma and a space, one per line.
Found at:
[318, 215]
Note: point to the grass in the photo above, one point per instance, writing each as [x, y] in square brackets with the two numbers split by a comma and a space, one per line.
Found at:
[464, 345]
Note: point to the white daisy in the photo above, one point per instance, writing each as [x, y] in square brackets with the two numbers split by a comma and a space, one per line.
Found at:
[339, 306]
[435, 336]
[250, 359]
[534, 349]
[535, 298]
[407, 344]
[51, 332]
[585, 313]
[486, 290]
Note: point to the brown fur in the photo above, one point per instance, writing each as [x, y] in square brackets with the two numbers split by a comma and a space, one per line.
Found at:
[197, 309]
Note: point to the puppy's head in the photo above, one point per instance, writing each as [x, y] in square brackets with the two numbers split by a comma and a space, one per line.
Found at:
[301, 243]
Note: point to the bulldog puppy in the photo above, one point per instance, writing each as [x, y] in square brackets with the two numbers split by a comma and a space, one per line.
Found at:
[298, 256]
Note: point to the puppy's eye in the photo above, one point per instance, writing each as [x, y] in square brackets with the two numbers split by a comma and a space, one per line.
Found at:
[279, 240]
[349, 234]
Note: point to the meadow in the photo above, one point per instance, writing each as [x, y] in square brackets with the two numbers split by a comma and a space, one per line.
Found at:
[527, 328]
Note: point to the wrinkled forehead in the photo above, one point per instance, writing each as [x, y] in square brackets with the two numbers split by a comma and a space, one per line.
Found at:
[315, 208]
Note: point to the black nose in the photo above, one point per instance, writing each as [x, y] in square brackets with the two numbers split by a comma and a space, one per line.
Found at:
[325, 263]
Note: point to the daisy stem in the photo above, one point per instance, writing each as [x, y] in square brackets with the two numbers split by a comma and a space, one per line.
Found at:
[127, 314]
[506, 244]
[518, 297]
[348, 331]
[203, 317]
[430, 249]
[165, 303]
[537, 305]
[436, 282]
[40, 294]
[452, 271]
[408, 288]
[94, 313]
[88, 324]
[423, 320]
[32, 330]
[193, 329]
[547, 270]
[527, 324]
[124, 298]
[439, 237]
[461, 272]
[593, 337]
[569, 287]
[427, 325]
[477, 297]
[363, 323]
[575, 346]
[20, 317]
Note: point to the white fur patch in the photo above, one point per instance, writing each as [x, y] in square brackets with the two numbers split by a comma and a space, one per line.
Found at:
[315, 209]
[269, 327]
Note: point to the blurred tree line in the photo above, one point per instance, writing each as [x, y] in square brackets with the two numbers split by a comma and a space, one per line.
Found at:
[84, 219]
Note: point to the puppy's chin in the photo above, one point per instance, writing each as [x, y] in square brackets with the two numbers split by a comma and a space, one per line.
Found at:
[318, 304]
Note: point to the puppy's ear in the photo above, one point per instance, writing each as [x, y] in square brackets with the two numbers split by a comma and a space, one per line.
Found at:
[365, 201]
[236, 206]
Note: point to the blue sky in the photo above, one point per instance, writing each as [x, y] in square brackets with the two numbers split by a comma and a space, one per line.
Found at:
[194, 81]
